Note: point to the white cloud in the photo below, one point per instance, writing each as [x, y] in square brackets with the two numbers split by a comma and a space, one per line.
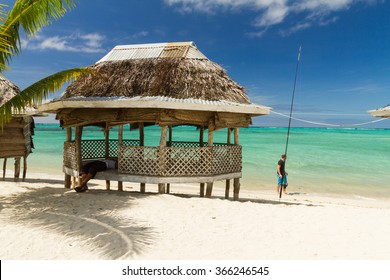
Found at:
[274, 12]
[140, 34]
[84, 43]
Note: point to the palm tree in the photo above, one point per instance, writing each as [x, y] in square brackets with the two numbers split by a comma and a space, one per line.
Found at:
[31, 15]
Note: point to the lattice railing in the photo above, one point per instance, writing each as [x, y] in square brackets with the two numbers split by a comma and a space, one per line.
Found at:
[173, 161]
[192, 144]
[177, 161]
[70, 159]
[92, 149]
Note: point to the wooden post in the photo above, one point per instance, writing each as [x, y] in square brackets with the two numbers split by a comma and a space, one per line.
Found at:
[236, 135]
[229, 136]
[68, 177]
[236, 187]
[106, 142]
[4, 168]
[210, 141]
[201, 135]
[24, 167]
[169, 145]
[228, 142]
[142, 143]
[78, 135]
[17, 169]
[107, 150]
[120, 140]
[163, 141]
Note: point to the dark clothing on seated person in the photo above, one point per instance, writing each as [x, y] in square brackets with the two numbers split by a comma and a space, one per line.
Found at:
[94, 167]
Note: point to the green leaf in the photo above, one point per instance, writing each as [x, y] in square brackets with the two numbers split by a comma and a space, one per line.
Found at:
[33, 95]
[31, 15]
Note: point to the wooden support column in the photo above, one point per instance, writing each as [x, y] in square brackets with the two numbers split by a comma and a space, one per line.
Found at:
[24, 167]
[4, 168]
[210, 143]
[201, 140]
[120, 140]
[69, 177]
[79, 160]
[169, 145]
[17, 169]
[142, 143]
[236, 187]
[228, 142]
[107, 150]
[163, 141]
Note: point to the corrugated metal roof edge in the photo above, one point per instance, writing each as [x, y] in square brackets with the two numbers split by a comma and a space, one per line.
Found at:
[149, 46]
[156, 98]
[156, 102]
[154, 45]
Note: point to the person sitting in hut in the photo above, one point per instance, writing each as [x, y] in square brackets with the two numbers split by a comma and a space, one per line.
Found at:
[89, 170]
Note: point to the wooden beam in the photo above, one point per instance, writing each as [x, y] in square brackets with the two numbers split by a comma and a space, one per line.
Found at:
[229, 136]
[210, 142]
[120, 140]
[201, 141]
[142, 143]
[142, 134]
[236, 190]
[17, 169]
[24, 167]
[107, 149]
[236, 136]
[236, 187]
[4, 168]
[78, 136]
[163, 141]
[170, 136]
[106, 142]
[228, 141]
[169, 145]
[68, 178]
[227, 188]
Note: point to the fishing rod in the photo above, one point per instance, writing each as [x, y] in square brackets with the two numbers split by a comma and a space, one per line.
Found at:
[289, 122]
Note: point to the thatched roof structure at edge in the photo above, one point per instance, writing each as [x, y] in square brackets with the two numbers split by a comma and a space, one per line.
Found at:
[7, 90]
[173, 76]
[381, 112]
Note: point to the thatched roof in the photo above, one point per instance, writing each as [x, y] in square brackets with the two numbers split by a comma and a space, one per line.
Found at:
[7, 90]
[381, 112]
[166, 75]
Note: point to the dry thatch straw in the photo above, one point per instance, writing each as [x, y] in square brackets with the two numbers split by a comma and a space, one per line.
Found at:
[381, 112]
[7, 90]
[179, 78]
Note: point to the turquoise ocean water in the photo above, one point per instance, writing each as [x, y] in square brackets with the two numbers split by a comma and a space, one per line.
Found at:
[355, 162]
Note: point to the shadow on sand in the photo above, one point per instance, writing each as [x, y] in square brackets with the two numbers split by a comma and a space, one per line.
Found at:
[89, 221]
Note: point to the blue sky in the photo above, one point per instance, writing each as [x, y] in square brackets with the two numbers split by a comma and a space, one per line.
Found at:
[345, 62]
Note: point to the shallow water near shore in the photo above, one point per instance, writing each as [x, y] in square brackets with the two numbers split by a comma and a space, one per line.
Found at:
[353, 162]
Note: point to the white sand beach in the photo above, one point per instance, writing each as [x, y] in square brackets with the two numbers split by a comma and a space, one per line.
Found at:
[40, 220]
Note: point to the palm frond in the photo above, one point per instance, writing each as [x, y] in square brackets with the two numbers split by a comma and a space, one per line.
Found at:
[37, 92]
[31, 15]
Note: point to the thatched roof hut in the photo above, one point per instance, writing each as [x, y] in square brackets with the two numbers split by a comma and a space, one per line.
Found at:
[381, 113]
[171, 76]
[16, 135]
[167, 84]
